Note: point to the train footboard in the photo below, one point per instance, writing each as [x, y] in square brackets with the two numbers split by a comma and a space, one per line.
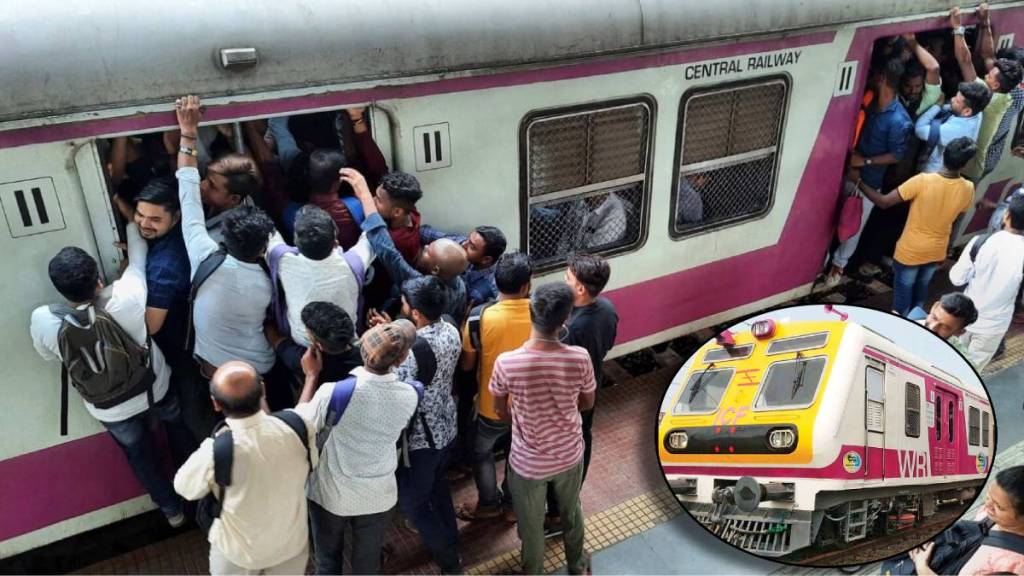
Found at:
[765, 531]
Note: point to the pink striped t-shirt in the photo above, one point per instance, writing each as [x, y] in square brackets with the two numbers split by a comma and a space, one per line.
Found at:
[547, 431]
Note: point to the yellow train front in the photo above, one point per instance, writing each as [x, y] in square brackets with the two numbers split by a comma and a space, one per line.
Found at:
[795, 434]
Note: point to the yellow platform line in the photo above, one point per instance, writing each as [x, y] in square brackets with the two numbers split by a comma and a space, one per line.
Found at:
[603, 529]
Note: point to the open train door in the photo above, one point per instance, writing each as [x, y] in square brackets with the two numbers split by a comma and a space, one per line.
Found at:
[874, 419]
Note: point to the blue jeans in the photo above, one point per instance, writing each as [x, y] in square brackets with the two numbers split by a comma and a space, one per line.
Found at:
[135, 437]
[489, 433]
[425, 498]
[910, 286]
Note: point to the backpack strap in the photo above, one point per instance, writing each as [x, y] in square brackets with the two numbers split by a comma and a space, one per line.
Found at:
[355, 208]
[474, 323]
[277, 301]
[426, 369]
[934, 131]
[298, 425]
[223, 462]
[976, 247]
[1005, 540]
[355, 263]
[61, 311]
[404, 436]
[206, 268]
[341, 395]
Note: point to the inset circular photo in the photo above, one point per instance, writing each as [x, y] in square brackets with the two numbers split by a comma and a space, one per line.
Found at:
[826, 436]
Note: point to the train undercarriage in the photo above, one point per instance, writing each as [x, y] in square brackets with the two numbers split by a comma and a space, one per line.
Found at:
[839, 518]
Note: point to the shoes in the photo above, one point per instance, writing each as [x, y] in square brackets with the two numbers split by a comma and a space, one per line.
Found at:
[508, 514]
[869, 269]
[471, 514]
[178, 520]
[553, 526]
[458, 472]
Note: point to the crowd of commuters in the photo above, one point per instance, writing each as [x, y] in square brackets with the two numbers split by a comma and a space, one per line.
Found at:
[255, 319]
[915, 163]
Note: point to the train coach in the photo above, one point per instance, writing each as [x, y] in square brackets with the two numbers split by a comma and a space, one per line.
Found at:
[577, 125]
[795, 434]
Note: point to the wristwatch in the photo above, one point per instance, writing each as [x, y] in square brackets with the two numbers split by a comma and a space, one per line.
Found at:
[958, 31]
[868, 161]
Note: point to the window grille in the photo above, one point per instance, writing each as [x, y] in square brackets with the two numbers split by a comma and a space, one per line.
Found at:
[586, 179]
[973, 426]
[728, 150]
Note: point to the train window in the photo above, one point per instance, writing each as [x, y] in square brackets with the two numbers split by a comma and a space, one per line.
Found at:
[728, 353]
[727, 154]
[973, 426]
[984, 429]
[808, 342]
[703, 391]
[586, 179]
[938, 418]
[912, 426]
[949, 419]
[790, 383]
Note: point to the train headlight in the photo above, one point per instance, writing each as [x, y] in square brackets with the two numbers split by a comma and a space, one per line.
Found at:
[678, 440]
[763, 329]
[781, 438]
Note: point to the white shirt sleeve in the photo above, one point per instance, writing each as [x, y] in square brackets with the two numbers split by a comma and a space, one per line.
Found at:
[195, 476]
[44, 328]
[193, 221]
[364, 250]
[963, 271]
[315, 410]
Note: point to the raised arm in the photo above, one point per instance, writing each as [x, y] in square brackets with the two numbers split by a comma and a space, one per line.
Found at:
[986, 47]
[118, 160]
[960, 49]
[377, 231]
[927, 61]
[373, 159]
[193, 222]
[287, 148]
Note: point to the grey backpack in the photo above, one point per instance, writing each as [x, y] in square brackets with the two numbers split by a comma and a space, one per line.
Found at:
[102, 361]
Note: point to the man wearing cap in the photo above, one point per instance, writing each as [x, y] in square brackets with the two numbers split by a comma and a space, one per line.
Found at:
[354, 484]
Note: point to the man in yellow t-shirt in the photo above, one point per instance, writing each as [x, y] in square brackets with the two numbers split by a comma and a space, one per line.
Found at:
[936, 200]
[491, 329]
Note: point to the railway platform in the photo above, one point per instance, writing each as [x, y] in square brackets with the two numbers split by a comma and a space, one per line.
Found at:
[634, 525]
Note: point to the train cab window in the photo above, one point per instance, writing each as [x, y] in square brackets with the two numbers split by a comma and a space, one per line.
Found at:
[727, 154]
[790, 383]
[703, 391]
[912, 427]
[586, 179]
[984, 429]
[973, 426]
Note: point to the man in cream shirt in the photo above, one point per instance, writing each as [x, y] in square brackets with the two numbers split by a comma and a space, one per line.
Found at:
[262, 528]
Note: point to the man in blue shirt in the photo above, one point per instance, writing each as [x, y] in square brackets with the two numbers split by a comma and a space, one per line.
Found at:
[940, 125]
[484, 245]
[882, 143]
[157, 213]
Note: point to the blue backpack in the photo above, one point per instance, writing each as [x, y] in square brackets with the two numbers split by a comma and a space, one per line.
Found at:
[341, 396]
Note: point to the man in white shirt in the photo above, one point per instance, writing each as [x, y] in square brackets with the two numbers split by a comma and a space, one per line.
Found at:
[320, 271]
[354, 484]
[262, 527]
[993, 277]
[75, 275]
[230, 306]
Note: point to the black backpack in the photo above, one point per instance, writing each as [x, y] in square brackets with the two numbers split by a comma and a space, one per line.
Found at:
[955, 546]
[209, 506]
[101, 360]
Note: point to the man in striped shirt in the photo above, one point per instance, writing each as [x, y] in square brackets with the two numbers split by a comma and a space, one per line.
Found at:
[550, 384]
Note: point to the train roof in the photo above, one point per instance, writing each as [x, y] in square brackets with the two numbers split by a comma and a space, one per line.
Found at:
[67, 56]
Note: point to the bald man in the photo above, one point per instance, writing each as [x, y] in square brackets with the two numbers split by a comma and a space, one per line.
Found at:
[443, 258]
[262, 528]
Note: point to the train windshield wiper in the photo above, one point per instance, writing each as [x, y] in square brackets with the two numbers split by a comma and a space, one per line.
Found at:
[697, 384]
[798, 381]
